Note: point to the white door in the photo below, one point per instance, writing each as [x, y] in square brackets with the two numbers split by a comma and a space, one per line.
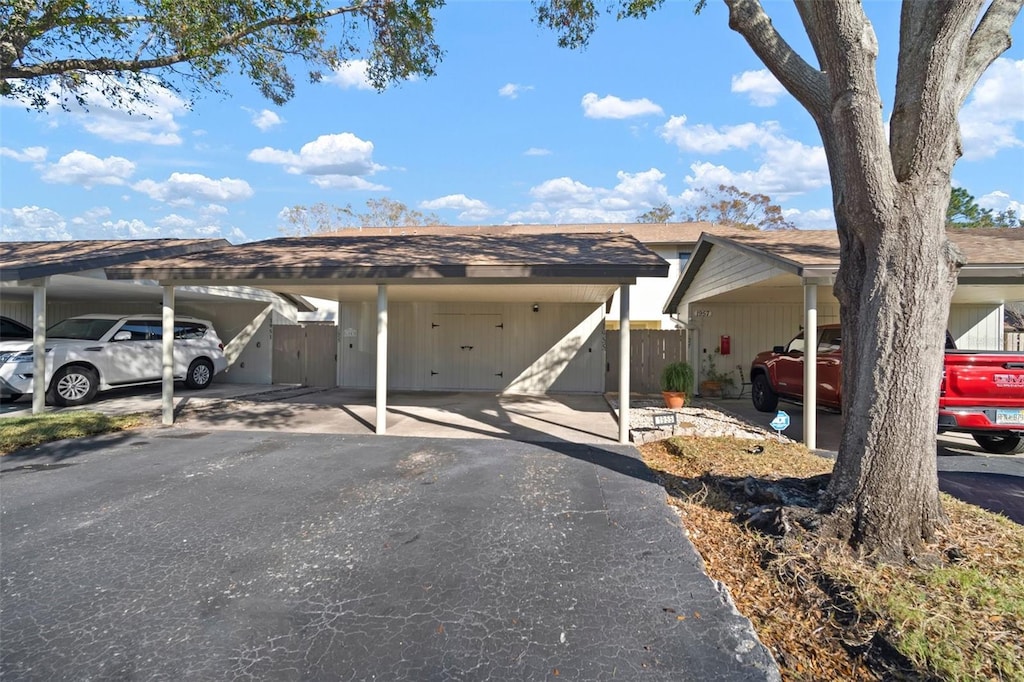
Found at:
[138, 358]
[466, 351]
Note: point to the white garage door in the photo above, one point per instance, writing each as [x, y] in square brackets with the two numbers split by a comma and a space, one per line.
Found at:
[466, 352]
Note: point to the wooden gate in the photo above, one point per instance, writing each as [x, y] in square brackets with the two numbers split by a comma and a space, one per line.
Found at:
[650, 350]
[305, 354]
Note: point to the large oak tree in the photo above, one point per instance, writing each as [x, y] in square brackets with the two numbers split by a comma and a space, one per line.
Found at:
[891, 189]
[54, 49]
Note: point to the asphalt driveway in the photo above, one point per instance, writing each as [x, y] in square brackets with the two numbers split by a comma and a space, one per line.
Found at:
[191, 554]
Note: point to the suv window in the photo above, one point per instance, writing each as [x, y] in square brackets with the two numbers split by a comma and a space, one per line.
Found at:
[11, 329]
[189, 330]
[86, 329]
[797, 344]
[142, 330]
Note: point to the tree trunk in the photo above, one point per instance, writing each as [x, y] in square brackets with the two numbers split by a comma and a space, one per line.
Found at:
[894, 291]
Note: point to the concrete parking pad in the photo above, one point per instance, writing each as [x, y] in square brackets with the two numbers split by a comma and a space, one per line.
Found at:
[183, 554]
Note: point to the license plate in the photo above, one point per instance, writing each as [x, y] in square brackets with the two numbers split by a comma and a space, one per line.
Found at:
[1009, 416]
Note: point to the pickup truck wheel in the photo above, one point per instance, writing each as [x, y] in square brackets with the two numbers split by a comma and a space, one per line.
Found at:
[73, 385]
[1003, 444]
[765, 399]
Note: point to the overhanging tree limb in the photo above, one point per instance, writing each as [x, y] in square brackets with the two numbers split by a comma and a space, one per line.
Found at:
[990, 39]
[804, 82]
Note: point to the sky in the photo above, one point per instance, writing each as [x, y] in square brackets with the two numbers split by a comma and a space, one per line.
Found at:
[512, 129]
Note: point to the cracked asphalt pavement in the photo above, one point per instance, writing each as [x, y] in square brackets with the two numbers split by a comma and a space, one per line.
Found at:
[179, 554]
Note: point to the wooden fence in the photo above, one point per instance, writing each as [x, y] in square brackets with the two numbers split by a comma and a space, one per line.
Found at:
[1014, 341]
[650, 350]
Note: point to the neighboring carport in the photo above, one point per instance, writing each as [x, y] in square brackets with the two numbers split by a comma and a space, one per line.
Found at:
[542, 293]
[750, 292]
[69, 275]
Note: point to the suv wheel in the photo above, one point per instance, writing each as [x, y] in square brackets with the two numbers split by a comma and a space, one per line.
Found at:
[200, 374]
[999, 444]
[765, 399]
[73, 385]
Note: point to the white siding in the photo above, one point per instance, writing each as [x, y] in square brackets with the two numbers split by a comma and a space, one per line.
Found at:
[649, 294]
[977, 327]
[560, 348]
[725, 270]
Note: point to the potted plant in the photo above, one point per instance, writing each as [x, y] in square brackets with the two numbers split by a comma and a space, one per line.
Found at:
[714, 383]
[676, 384]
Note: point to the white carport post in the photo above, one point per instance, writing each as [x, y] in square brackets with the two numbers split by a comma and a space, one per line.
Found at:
[167, 356]
[382, 358]
[39, 347]
[810, 364]
[624, 363]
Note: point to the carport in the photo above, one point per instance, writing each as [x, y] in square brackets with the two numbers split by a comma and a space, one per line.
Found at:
[486, 312]
[68, 278]
[747, 293]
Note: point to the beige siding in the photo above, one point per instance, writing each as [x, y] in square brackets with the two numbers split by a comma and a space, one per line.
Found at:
[557, 349]
[726, 270]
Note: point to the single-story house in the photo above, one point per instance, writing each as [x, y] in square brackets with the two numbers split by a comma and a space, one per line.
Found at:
[745, 293]
[463, 311]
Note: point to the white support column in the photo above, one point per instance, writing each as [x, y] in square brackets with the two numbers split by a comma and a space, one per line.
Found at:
[624, 363]
[39, 348]
[810, 364]
[167, 357]
[382, 358]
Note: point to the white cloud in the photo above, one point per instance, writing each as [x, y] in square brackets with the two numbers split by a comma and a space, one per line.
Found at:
[565, 200]
[150, 122]
[348, 182]
[26, 155]
[613, 107]
[706, 139]
[82, 168]
[815, 219]
[339, 160]
[989, 122]
[513, 90]
[32, 223]
[1000, 201]
[788, 167]
[266, 119]
[470, 210]
[91, 216]
[761, 86]
[129, 229]
[213, 209]
[537, 151]
[182, 189]
[351, 75]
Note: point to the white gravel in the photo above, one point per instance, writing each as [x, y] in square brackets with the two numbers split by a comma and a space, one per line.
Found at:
[699, 419]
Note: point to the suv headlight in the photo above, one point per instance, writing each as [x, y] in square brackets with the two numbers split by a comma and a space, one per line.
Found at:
[21, 356]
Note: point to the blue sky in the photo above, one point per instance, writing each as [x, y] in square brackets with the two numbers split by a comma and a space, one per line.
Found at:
[512, 129]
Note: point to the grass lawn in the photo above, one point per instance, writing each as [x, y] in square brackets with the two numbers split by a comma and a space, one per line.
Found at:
[23, 432]
[827, 616]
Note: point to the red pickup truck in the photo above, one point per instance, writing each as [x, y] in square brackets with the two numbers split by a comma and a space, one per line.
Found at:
[982, 391]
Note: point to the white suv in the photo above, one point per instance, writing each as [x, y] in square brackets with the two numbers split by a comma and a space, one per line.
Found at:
[92, 353]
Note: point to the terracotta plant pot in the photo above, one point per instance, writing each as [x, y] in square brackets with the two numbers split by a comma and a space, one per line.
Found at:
[673, 399]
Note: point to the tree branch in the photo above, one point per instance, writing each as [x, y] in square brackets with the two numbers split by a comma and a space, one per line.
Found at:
[807, 84]
[990, 39]
[112, 65]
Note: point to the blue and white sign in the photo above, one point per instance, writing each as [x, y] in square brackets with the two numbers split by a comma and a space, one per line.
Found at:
[781, 422]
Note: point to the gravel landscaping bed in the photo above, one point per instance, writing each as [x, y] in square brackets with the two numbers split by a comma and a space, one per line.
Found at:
[697, 419]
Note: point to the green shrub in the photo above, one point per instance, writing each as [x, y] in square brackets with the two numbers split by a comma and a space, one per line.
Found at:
[677, 377]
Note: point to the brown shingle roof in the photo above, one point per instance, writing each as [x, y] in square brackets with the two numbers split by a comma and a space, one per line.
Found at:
[27, 260]
[646, 233]
[996, 246]
[419, 256]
